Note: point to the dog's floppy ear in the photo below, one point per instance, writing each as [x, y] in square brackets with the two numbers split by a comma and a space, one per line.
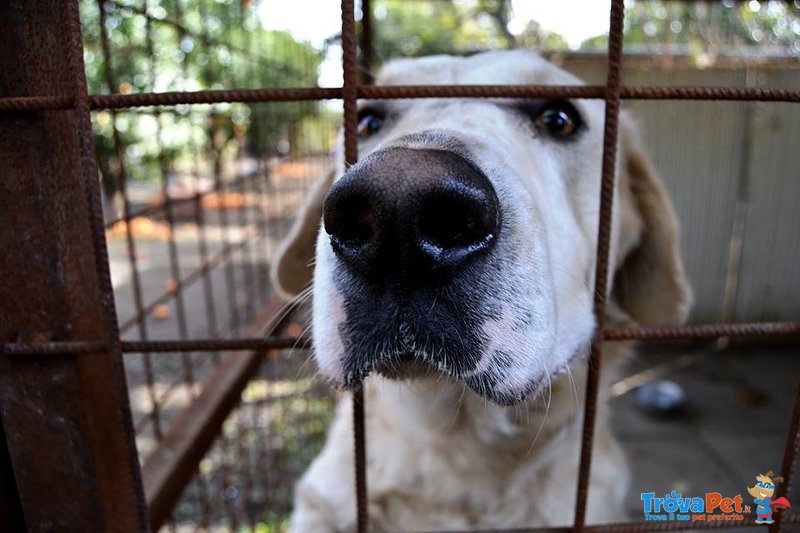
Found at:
[650, 283]
[292, 268]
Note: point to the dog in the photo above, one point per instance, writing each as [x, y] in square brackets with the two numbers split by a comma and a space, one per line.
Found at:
[453, 275]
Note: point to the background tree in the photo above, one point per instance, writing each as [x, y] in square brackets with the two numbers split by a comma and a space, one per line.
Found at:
[175, 45]
[204, 44]
[706, 29]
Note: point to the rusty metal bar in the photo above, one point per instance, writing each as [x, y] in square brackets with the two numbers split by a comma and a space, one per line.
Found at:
[245, 255]
[578, 91]
[66, 419]
[172, 465]
[36, 103]
[609, 163]
[120, 101]
[699, 332]
[704, 331]
[789, 460]
[366, 41]
[196, 345]
[116, 101]
[121, 178]
[300, 94]
[199, 216]
[11, 513]
[187, 365]
[350, 89]
[202, 249]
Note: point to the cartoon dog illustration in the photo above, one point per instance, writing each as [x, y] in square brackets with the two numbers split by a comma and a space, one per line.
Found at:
[762, 492]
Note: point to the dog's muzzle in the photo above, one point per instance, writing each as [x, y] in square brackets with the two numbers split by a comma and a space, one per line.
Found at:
[411, 217]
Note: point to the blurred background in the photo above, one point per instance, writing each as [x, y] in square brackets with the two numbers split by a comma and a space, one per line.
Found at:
[196, 198]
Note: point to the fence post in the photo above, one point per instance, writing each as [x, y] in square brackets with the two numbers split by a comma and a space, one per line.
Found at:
[66, 417]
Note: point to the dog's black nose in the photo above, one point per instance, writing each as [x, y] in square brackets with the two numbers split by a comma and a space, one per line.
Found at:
[404, 215]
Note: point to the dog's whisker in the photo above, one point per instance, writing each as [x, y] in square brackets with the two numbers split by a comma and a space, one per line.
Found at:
[288, 307]
[304, 365]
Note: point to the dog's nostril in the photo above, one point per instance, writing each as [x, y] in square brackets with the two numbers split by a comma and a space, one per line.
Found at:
[352, 222]
[461, 218]
[410, 215]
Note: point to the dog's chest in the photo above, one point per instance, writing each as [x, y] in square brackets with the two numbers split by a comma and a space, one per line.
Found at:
[453, 479]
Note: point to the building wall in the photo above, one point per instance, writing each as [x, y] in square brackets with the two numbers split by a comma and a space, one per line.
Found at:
[716, 158]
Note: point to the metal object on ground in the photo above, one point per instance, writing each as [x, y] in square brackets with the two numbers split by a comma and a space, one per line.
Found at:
[659, 397]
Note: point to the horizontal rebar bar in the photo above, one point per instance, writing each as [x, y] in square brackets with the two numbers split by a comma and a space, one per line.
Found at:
[296, 94]
[699, 332]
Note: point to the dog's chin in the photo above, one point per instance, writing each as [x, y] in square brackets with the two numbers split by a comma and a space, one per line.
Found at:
[405, 366]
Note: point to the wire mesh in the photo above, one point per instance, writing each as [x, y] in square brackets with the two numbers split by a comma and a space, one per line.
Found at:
[233, 205]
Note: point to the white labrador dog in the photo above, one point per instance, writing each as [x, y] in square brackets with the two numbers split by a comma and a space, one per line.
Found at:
[454, 267]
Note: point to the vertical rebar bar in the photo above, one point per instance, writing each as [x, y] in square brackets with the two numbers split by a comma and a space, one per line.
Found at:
[136, 282]
[789, 459]
[350, 96]
[612, 107]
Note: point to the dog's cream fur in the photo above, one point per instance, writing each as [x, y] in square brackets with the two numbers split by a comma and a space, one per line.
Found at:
[439, 455]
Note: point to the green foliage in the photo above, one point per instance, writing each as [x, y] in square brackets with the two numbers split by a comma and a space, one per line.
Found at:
[704, 28]
[190, 45]
[419, 28]
[176, 45]
[415, 29]
[423, 27]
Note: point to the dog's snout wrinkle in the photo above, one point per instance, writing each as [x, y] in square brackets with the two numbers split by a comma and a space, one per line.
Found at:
[409, 215]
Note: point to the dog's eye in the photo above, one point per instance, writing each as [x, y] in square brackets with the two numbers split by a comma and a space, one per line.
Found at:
[369, 122]
[559, 119]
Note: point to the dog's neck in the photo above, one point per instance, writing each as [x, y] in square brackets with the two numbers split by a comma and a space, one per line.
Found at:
[430, 410]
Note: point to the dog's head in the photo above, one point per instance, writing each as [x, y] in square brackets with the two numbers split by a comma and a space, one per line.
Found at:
[463, 242]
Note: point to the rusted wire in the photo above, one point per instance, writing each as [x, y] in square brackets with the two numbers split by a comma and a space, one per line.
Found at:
[711, 93]
[609, 163]
[117, 101]
[299, 94]
[172, 248]
[120, 101]
[38, 103]
[89, 166]
[704, 331]
[221, 256]
[366, 42]
[701, 332]
[167, 201]
[136, 282]
[789, 460]
[350, 89]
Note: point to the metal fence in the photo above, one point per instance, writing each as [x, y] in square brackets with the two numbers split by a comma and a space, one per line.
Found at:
[69, 433]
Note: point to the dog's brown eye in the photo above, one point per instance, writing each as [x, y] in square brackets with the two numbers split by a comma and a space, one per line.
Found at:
[369, 122]
[559, 119]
